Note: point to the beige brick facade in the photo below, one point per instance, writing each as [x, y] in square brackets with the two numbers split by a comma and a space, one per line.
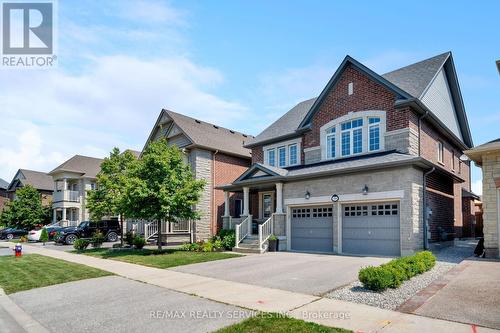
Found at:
[491, 174]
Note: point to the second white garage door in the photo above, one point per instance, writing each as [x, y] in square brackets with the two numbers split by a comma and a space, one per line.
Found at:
[371, 229]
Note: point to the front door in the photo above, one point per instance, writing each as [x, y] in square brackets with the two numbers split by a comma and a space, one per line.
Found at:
[267, 205]
[238, 207]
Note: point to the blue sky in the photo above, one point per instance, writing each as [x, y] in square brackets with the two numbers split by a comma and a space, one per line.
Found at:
[240, 64]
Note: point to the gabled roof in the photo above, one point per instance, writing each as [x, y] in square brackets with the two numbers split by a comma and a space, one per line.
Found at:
[416, 78]
[3, 184]
[259, 170]
[207, 135]
[87, 166]
[37, 179]
[476, 153]
[409, 85]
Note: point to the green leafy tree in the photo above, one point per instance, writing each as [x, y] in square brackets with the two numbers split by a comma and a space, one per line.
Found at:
[44, 236]
[108, 197]
[162, 187]
[26, 211]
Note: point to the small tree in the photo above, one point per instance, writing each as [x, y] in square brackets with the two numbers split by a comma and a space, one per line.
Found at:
[108, 197]
[26, 211]
[44, 237]
[162, 187]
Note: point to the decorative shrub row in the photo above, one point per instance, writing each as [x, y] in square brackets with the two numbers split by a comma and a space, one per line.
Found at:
[393, 273]
[225, 240]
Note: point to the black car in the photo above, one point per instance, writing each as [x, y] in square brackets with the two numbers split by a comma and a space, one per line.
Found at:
[86, 229]
[11, 233]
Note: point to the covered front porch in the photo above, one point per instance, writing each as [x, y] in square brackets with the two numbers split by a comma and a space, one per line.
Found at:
[258, 215]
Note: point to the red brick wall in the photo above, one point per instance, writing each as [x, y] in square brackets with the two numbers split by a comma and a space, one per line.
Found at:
[468, 217]
[3, 201]
[257, 155]
[226, 170]
[442, 213]
[368, 95]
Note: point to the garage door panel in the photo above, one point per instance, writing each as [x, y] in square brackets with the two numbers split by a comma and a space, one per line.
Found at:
[312, 229]
[371, 228]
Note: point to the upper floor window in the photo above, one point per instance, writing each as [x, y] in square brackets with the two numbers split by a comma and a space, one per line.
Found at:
[352, 137]
[292, 154]
[283, 154]
[271, 157]
[440, 151]
[352, 134]
[453, 160]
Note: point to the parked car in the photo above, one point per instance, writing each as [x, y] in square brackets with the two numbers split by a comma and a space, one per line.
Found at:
[86, 229]
[11, 233]
[34, 235]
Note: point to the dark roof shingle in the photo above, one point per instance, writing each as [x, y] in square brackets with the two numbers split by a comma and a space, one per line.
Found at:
[37, 179]
[88, 166]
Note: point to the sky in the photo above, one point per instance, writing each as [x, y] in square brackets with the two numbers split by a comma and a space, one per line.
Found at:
[239, 64]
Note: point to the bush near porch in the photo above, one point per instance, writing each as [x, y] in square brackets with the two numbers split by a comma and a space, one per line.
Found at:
[393, 273]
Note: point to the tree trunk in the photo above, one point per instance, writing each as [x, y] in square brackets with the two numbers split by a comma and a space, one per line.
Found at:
[121, 230]
[159, 236]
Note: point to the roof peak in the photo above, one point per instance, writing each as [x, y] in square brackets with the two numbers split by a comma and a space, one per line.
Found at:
[445, 56]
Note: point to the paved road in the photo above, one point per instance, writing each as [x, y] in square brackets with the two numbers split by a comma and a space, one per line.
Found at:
[313, 274]
[472, 297]
[8, 324]
[6, 252]
[120, 305]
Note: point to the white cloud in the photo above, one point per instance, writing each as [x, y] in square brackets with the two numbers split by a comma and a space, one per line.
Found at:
[477, 187]
[48, 116]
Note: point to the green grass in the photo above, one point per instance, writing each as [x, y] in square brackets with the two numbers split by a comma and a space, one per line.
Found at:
[270, 323]
[165, 259]
[35, 271]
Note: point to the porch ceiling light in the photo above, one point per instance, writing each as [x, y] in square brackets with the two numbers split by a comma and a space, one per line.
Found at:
[308, 195]
[365, 190]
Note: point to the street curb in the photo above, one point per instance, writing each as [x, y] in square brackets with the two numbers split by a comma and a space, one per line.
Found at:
[29, 324]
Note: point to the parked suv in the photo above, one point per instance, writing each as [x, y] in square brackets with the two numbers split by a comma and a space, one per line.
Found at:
[86, 229]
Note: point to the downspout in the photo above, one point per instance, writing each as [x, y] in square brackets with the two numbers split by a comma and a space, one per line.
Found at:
[214, 210]
[420, 130]
[424, 198]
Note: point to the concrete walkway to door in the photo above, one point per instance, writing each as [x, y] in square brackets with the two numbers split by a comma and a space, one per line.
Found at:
[313, 274]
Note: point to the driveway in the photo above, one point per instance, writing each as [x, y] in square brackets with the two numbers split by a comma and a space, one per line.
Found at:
[115, 304]
[472, 296]
[313, 274]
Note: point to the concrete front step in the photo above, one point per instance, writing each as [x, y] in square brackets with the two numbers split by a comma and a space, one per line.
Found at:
[247, 250]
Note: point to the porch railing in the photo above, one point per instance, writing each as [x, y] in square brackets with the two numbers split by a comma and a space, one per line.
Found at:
[151, 228]
[67, 195]
[265, 230]
[243, 229]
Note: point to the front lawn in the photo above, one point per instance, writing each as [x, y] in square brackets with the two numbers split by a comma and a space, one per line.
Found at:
[269, 323]
[165, 259]
[35, 271]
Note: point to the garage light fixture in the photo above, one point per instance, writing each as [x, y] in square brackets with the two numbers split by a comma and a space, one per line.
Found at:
[308, 195]
[365, 190]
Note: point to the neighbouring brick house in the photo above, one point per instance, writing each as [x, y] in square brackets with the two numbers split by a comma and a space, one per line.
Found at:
[355, 169]
[39, 180]
[487, 156]
[3, 194]
[215, 154]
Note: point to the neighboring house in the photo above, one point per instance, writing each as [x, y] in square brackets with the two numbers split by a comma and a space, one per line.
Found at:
[215, 154]
[498, 65]
[39, 180]
[487, 156]
[3, 194]
[70, 182]
[345, 172]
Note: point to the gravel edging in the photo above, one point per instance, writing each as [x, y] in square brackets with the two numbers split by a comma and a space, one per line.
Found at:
[390, 299]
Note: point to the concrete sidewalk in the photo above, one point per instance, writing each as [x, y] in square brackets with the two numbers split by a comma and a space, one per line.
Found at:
[329, 312]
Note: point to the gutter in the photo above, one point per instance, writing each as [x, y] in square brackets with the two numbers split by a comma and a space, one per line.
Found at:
[214, 211]
[424, 198]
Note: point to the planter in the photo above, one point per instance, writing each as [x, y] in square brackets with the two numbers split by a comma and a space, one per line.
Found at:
[274, 245]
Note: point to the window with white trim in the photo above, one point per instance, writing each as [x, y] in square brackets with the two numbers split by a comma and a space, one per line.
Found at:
[352, 137]
[440, 151]
[292, 154]
[374, 133]
[283, 154]
[271, 153]
[282, 157]
[330, 142]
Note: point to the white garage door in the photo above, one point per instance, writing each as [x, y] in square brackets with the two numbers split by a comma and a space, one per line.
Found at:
[312, 229]
[371, 229]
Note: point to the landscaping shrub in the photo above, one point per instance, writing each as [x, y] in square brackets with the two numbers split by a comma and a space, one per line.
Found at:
[228, 238]
[129, 238]
[215, 244]
[44, 236]
[139, 242]
[81, 244]
[395, 272]
[97, 239]
[208, 247]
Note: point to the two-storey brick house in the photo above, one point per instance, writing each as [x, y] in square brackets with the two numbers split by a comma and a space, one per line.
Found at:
[356, 169]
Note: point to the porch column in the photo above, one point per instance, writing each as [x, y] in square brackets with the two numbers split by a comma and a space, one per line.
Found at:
[64, 214]
[226, 203]
[65, 184]
[279, 198]
[246, 192]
